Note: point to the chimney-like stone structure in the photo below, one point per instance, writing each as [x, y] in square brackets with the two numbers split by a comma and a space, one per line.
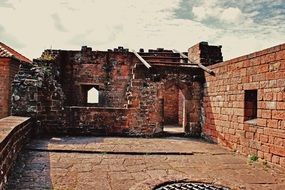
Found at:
[205, 54]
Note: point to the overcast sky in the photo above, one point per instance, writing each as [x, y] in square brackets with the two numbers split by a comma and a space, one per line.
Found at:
[240, 26]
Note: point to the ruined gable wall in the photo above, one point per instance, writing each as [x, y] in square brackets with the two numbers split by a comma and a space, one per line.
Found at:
[130, 95]
[224, 104]
[108, 71]
[150, 88]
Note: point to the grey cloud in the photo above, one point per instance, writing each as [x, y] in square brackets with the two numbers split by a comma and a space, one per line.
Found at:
[57, 23]
[266, 22]
[262, 12]
[6, 4]
[185, 9]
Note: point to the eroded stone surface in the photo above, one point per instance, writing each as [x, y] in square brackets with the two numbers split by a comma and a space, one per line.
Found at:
[209, 163]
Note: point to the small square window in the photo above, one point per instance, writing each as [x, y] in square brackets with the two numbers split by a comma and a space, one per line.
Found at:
[250, 105]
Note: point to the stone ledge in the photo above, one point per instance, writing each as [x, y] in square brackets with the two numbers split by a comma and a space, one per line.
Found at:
[8, 124]
[14, 133]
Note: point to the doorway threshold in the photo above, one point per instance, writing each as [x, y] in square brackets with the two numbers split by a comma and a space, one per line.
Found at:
[173, 129]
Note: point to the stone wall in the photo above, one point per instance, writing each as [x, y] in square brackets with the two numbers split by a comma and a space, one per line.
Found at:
[4, 86]
[181, 109]
[95, 120]
[15, 132]
[8, 68]
[54, 92]
[171, 105]
[205, 54]
[107, 71]
[146, 117]
[151, 92]
[225, 105]
[38, 94]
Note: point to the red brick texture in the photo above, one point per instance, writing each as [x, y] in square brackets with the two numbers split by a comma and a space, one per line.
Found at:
[147, 98]
[8, 68]
[205, 54]
[171, 104]
[225, 109]
[4, 86]
[96, 120]
[109, 72]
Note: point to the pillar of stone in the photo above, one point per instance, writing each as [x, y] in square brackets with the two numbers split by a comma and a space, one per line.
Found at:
[205, 54]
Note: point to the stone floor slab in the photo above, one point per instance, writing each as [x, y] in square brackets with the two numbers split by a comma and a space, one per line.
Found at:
[41, 167]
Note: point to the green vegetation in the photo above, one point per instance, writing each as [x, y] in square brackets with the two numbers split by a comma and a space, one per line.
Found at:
[47, 57]
[253, 157]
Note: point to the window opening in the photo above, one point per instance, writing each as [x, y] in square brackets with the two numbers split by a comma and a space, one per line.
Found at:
[250, 105]
[93, 96]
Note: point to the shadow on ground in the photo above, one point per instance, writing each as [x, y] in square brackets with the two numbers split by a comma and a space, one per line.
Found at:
[61, 163]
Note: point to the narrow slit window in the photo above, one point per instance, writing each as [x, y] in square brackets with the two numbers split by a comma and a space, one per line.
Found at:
[93, 96]
[250, 105]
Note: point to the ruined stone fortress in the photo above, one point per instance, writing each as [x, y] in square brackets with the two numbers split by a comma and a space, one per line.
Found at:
[239, 103]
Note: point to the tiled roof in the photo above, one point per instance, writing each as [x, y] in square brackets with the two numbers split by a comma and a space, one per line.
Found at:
[6, 51]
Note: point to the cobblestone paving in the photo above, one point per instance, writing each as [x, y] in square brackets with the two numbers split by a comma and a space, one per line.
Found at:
[61, 163]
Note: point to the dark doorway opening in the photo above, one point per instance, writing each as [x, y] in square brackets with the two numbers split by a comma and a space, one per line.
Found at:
[175, 107]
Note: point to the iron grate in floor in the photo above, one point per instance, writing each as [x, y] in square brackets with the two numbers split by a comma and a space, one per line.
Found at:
[190, 186]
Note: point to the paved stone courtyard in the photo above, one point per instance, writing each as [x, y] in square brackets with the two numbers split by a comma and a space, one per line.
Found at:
[136, 163]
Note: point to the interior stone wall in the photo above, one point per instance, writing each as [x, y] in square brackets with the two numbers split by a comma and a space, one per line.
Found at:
[225, 105]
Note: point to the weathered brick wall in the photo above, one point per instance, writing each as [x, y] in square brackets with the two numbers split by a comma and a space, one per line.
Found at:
[4, 87]
[15, 132]
[108, 71]
[38, 94]
[181, 109]
[224, 104]
[193, 106]
[8, 68]
[95, 120]
[124, 83]
[146, 117]
[149, 94]
[205, 54]
[171, 105]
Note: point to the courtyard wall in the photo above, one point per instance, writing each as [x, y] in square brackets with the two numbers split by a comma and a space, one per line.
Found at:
[225, 104]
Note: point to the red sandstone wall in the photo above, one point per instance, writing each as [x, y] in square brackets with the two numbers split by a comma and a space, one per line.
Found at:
[181, 107]
[224, 104]
[4, 86]
[96, 120]
[171, 102]
[123, 82]
[8, 69]
[109, 71]
[205, 54]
